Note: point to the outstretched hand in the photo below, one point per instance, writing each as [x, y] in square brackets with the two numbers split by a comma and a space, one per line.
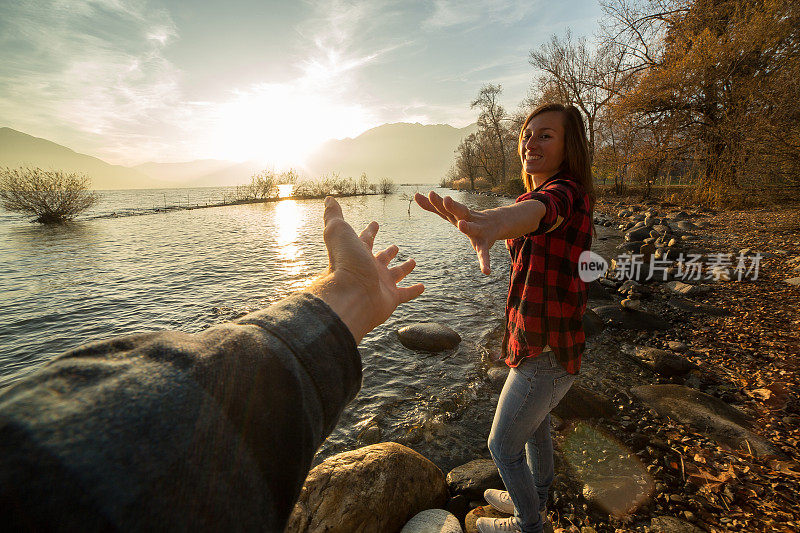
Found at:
[359, 286]
[479, 226]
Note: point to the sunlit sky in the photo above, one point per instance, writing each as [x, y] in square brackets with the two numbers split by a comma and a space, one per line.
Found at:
[136, 81]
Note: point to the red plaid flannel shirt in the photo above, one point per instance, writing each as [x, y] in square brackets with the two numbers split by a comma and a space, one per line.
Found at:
[546, 297]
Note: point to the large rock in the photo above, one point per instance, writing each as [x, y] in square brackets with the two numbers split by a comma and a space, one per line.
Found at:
[662, 362]
[429, 337]
[375, 488]
[685, 304]
[706, 414]
[473, 478]
[592, 323]
[614, 315]
[582, 404]
[433, 521]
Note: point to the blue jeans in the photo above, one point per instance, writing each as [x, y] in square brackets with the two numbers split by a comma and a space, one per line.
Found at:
[520, 440]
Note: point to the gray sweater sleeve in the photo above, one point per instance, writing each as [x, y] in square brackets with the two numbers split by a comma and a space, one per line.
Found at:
[171, 431]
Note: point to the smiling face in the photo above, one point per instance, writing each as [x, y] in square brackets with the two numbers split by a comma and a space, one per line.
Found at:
[542, 146]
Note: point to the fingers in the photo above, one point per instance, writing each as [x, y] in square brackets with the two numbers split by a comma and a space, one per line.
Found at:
[385, 257]
[406, 294]
[483, 260]
[459, 210]
[332, 210]
[402, 270]
[368, 235]
[438, 203]
[426, 204]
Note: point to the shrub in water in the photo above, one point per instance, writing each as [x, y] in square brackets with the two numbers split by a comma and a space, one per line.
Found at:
[52, 196]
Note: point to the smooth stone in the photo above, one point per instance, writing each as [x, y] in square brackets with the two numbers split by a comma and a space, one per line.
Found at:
[685, 225]
[433, 521]
[470, 521]
[630, 304]
[597, 291]
[630, 247]
[582, 404]
[615, 496]
[497, 376]
[429, 337]
[686, 289]
[614, 315]
[680, 215]
[662, 362]
[473, 478]
[706, 414]
[647, 250]
[637, 234]
[670, 524]
[677, 346]
[370, 435]
[349, 488]
[685, 304]
[662, 229]
[592, 323]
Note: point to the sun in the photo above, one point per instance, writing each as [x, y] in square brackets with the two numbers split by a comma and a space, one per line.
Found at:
[281, 125]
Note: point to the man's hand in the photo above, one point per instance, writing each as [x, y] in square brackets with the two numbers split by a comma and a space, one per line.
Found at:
[359, 286]
[482, 227]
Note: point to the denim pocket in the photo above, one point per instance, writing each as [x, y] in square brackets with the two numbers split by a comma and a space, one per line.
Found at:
[560, 387]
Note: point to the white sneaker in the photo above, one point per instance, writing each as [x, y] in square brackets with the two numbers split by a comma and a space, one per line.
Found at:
[500, 500]
[497, 525]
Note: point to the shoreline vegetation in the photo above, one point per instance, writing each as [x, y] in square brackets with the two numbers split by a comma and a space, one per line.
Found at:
[56, 197]
[694, 97]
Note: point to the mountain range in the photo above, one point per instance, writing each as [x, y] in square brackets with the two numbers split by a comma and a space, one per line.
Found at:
[403, 152]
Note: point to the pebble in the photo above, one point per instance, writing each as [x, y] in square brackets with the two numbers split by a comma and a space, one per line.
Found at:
[634, 305]
[677, 346]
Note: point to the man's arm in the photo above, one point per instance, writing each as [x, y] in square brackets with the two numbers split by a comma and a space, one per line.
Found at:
[215, 430]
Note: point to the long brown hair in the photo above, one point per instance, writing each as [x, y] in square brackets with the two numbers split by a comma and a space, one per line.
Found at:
[576, 149]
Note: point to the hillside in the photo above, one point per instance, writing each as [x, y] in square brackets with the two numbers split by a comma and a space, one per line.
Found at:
[414, 153]
[20, 149]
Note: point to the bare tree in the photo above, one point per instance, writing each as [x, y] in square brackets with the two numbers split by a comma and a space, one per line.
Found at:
[52, 196]
[575, 74]
[490, 122]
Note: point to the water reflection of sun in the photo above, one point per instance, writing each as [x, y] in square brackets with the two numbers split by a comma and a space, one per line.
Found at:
[287, 222]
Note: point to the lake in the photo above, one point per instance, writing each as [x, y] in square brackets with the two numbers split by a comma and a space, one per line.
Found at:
[129, 266]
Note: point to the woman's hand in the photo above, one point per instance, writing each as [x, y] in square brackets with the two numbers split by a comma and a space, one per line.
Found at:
[359, 286]
[482, 227]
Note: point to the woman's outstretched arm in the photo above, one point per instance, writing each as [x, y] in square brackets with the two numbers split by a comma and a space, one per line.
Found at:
[485, 227]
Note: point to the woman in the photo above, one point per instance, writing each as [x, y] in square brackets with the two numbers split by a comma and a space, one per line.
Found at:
[545, 230]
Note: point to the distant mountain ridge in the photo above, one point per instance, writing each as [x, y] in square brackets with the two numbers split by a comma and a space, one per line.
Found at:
[20, 149]
[401, 151]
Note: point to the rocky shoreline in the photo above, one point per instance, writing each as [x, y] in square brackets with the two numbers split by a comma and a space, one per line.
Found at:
[685, 418]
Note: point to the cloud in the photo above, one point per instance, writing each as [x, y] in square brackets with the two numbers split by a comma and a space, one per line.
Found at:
[95, 67]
